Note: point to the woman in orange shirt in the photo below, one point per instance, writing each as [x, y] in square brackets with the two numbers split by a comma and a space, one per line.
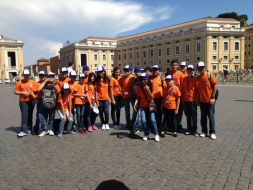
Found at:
[79, 100]
[91, 102]
[64, 108]
[144, 93]
[115, 92]
[170, 106]
[102, 96]
[24, 88]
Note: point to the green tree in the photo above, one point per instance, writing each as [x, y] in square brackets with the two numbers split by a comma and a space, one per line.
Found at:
[233, 15]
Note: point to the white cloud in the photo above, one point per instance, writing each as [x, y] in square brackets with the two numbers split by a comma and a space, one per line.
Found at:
[42, 24]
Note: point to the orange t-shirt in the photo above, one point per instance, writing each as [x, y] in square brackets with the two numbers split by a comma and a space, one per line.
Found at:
[102, 90]
[126, 84]
[190, 86]
[205, 88]
[86, 79]
[64, 99]
[144, 100]
[157, 86]
[91, 92]
[38, 94]
[26, 87]
[170, 101]
[61, 81]
[116, 87]
[80, 90]
[73, 86]
[178, 79]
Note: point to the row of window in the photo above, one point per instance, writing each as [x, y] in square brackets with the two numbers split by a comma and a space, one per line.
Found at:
[225, 57]
[248, 53]
[104, 57]
[104, 65]
[187, 50]
[246, 45]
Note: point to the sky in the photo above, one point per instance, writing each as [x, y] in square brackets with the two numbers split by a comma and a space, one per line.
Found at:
[45, 25]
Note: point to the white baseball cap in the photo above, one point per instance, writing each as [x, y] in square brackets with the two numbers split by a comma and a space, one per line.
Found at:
[201, 64]
[26, 72]
[65, 86]
[81, 75]
[42, 73]
[100, 68]
[72, 73]
[64, 69]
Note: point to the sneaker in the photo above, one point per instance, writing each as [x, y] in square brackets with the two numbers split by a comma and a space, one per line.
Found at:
[163, 134]
[175, 134]
[71, 132]
[21, 134]
[134, 131]
[213, 136]
[80, 130]
[74, 128]
[84, 131]
[29, 132]
[145, 138]
[94, 127]
[196, 134]
[116, 127]
[90, 129]
[157, 138]
[35, 133]
[107, 127]
[103, 127]
[59, 135]
[120, 127]
[51, 133]
[187, 133]
[202, 135]
[44, 133]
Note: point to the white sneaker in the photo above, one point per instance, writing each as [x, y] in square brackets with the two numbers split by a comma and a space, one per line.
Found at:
[202, 135]
[59, 135]
[157, 138]
[107, 127]
[213, 136]
[145, 138]
[44, 133]
[21, 134]
[51, 133]
[103, 127]
[29, 132]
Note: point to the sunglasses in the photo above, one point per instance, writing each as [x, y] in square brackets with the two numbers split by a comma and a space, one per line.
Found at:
[126, 70]
[50, 76]
[142, 79]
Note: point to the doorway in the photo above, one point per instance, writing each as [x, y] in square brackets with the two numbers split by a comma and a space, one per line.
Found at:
[83, 59]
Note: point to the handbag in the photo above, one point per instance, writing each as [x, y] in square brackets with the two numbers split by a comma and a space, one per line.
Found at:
[151, 105]
[121, 101]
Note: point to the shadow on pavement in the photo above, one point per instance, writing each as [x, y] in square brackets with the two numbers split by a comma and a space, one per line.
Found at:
[13, 129]
[121, 135]
[243, 100]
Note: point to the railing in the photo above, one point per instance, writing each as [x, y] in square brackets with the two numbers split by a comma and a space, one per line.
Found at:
[12, 67]
[235, 76]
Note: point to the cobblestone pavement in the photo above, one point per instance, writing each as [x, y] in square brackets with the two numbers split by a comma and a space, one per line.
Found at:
[83, 161]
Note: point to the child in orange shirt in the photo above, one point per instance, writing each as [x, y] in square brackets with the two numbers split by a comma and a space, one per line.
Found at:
[64, 108]
[189, 94]
[102, 96]
[64, 77]
[24, 88]
[79, 101]
[170, 106]
[90, 103]
[144, 93]
[115, 93]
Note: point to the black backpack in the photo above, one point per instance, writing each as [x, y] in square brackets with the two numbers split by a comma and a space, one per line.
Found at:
[48, 96]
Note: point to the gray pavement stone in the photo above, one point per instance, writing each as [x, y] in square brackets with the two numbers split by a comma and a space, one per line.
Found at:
[83, 161]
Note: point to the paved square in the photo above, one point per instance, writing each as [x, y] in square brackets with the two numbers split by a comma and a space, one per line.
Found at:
[83, 161]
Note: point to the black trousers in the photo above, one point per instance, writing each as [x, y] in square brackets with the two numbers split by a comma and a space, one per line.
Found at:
[170, 120]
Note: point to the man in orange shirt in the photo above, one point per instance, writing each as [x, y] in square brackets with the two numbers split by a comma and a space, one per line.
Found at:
[189, 94]
[126, 83]
[170, 106]
[64, 77]
[24, 88]
[183, 68]
[42, 77]
[157, 85]
[206, 99]
[86, 72]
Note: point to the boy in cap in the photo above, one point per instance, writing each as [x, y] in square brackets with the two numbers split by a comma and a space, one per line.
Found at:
[64, 77]
[189, 94]
[206, 99]
[126, 83]
[86, 72]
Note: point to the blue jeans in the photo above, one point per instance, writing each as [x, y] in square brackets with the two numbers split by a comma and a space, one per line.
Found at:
[37, 123]
[128, 101]
[145, 113]
[191, 116]
[159, 113]
[138, 121]
[26, 108]
[104, 110]
[91, 118]
[70, 121]
[207, 110]
[116, 108]
[43, 115]
[79, 115]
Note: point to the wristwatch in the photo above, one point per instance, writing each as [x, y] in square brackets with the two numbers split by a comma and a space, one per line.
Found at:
[212, 97]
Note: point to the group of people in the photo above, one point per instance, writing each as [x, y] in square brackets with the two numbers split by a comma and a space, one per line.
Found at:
[157, 102]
